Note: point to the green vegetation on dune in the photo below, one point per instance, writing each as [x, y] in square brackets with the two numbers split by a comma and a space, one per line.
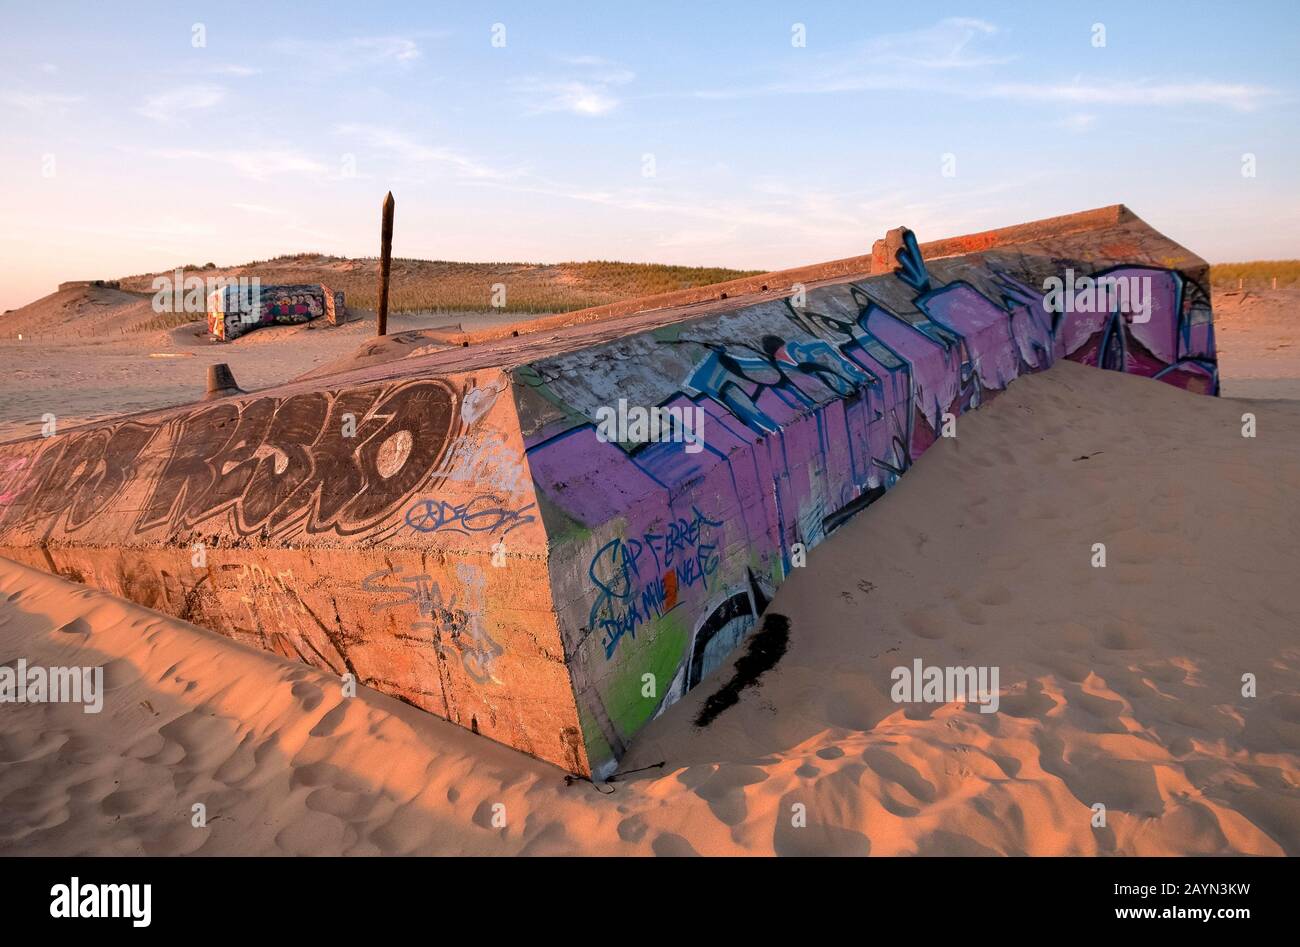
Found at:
[441, 285]
[448, 286]
[1257, 274]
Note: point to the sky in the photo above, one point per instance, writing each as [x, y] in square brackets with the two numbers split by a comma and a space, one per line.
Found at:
[138, 137]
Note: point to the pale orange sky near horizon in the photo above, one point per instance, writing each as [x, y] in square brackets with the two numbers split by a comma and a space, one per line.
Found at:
[628, 136]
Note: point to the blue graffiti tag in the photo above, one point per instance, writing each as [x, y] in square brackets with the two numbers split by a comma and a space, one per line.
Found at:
[458, 618]
[681, 560]
[483, 514]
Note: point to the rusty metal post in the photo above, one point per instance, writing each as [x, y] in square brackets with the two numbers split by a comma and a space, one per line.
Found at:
[385, 264]
[221, 382]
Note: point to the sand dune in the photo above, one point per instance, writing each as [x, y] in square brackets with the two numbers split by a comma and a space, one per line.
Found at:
[1119, 686]
[1255, 335]
[89, 353]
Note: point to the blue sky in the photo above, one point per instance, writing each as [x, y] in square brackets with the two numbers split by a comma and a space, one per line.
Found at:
[127, 148]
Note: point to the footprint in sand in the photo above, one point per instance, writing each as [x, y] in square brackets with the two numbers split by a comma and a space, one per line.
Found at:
[1031, 704]
[331, 721]
[206, 739]
[120, 673]
[148, 746]
[180, 838]
[1068, 669]
[348, 806]
[671, 845]
[1122, 635]
[315, 833]
[853, 709]
[941, 842]
[925, 624]
[814, 836]
[632, 829]
[891, 769]
[1167, 673]
[483, 817]
[129, 802]
[1099, 707]
[240, 765]
[308, 695]
[24, 746]
[997, 595]
[725, 792]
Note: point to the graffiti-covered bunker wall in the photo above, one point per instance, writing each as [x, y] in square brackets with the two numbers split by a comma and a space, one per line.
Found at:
[469, 531]
[238, 308]
[347, 522]
[662, 558]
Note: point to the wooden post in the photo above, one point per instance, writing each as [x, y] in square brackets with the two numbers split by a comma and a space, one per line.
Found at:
[385, 263]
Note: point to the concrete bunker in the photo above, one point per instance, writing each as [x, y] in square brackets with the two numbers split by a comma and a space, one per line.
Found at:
[450, 528]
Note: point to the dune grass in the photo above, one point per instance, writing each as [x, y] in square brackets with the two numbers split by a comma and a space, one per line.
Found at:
[530, 288]
[1257, 274]
[446, 286]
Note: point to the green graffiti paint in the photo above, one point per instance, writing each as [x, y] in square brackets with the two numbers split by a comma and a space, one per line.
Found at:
[660, 650]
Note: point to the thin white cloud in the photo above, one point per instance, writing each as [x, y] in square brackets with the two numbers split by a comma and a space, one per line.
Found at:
[405, 148]
[168, 107]
[794, 211]
[954, 58]
[341, 55]
[580, 98]
[396, 48]
[949, 44]
[1231, 95]
[600, 69]
[590, 88]
[38, 103]
[236, 69]
[258, 164]
[1077, 122]
[892, 61]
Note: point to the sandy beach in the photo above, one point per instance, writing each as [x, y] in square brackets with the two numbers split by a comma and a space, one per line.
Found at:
[1120, 686]
[87, 354]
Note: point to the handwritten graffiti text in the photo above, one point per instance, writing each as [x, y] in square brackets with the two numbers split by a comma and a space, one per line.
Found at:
[679, 557]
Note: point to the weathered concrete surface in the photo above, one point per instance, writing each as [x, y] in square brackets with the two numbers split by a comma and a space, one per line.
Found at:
[259, 517]
[475, 547]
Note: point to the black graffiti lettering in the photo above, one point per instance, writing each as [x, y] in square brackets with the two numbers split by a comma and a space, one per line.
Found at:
[235, 464]
[422, 415]
[287, 479]
[188, 472]
[81, 473]
[315, 443]
[276, 463]
[73, 471]
[115, 468]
